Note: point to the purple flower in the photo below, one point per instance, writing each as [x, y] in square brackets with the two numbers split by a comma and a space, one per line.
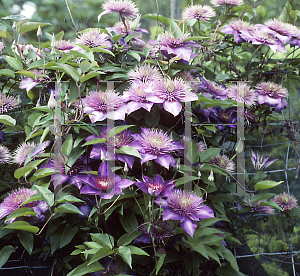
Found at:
[123, 138]
[105, 184]
[259, 163]
[125, 8]
[201, 146]
[285, 201]
[22, 152]
[284, 31]
[236, 27]
[1, 47]
[171, 47]
[159, 231]
[217, 90]
[102, 105]
[242, 93]
[64, 45]
[186, 207]
[7, 103]
[93, 38]
[137, 96]
[223, 162]
[171, 93]
[227, 2]
[154, 144]
[13, 201]
[198, 12]
[157, 186]
[4, 155]
[145, 73]
[224, 118]
[256, 207]
[272, 94]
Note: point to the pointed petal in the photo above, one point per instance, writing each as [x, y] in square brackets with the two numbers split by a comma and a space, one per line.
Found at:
[188, 226]
[173, 107]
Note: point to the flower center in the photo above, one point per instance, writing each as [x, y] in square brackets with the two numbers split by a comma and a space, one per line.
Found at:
[185, 202]
[104, 184]
[155, 186]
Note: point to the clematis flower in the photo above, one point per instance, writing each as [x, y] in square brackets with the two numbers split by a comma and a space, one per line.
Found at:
[223, 162]
[125, 8]
[22, 152]
[224, 118]
[102, 105]
[199, 12]
[171, 93]
[236, 27]
[272, 94]
[186, 207]
[207, 86]
[1, 46]
[256, 207]
[285, 201]
[136, 96]
[242, 93]
[201, 146]
[4, 155]
[8, 103]
[28, 83]
[157, 186]
[13, 201]
[64, 45]
[93, 38]
[259, 163]
[227, 2]
[145, 73]
[154, 144]
[105, 184]
[160, 231]
[121, 139]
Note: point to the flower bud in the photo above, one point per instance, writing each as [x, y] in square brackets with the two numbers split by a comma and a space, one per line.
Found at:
[53, 42]
[52, 103]
[199, 174]
[126, 168]
[211, 176]
[14, 25]
[239, 148]
[39, 32]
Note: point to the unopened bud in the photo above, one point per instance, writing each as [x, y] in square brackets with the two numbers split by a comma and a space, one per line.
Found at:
[211, 176]
[66, 97]
[53, 42]
[126, 167]
[177, 166]
[199, 174]
[52, 103]
[14, 25]
[39, 32]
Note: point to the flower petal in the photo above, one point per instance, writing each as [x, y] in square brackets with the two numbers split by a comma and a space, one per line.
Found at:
[188, 226]
[173, 107]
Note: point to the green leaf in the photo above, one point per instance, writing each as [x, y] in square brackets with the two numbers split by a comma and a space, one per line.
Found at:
[67, 208]
[262, 196]
[160, 262]
[46, 195]
[137, 251]
[208, 154]
[25, 26]
[134, 55]
[5, 253]
[128, 150]
[160, 18]
[83, 54]
[67, 145]
[68, 234]
[27, 240]
[116, 37]
[27, 73]
[266, 184]
[116, 130]
[22, 171]
[34, 197]
[89, 76]
[175, 29]
[69, 70]
[129, 221]
[152, 118]
[66, 198]
[14, 63]
[259, 176]
[129, 37]
[7, 72]
[7, 120]
[271, 204]
[85, 268]
[75, 153]
[22, 225]
[230, 257]
[42, 173]
[95, 141]
[101, 253]
[125, 253]
[193, 153]
[25, 211]
[102, 50]
[103, 239]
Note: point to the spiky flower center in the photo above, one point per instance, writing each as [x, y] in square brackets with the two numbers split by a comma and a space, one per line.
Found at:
[198, 12]
[104, 184]
[21, 153]
[17, 197]
[4, 155]
[171, 41]
[93, 38]
[126, 7]
[282, 28]
[239, 25]
[123, 138]
[160, 231]
[155, 186]
[7, 103]
[184, 203]
[75, 169]
[145, 73]
[272, 89]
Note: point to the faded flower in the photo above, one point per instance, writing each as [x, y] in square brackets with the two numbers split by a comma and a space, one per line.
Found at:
[285, 201]
[242, 93]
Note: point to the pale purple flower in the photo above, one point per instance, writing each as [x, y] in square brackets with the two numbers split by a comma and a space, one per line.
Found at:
[242, 93]
[186, 207]
[236, 27]
[159, 231]
[4, 155]
[285, 201]
[125, 8]
[121, 139]
[259, 162]
[171, 92]
[199, 12]
[284, 31]
[105, 184]
[93, 38]
[217, 90]
[102, 105]
[7, 103]
[28, 83]
[22, 152]
[145, 73]
[13, 201]
[223, 162]
[201, 146]
[227, 2]
[154, 144]
[272, 94]
[64, 45]
[157, 186]
[136, 95]
[1, 47]
[256, 207]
